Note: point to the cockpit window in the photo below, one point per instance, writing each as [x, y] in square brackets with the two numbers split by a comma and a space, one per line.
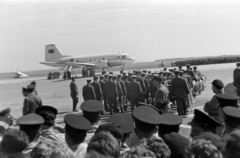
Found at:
[124, 56]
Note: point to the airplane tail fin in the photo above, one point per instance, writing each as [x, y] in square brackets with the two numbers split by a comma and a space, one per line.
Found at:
[52, 53]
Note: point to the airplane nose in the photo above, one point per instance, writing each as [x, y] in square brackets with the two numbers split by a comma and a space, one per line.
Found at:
[133, 59]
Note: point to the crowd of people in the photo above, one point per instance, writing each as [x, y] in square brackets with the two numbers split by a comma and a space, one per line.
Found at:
[151, 131]
[208, 60]
[53, 75]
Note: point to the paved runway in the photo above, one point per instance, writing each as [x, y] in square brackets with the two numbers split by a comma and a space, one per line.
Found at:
[57, 92]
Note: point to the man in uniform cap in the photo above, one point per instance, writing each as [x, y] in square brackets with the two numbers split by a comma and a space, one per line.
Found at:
[147, 85]
[122, 102]
[211, 107]
[120, 94]
[76, 131]
[7, 114]
[88, 92]
[49, 114]
[201, 122]
[134, 90]
[165, 69]
[146, 121]
[177, 144]
[31, 125]
[102, 84]
[91, 111]
[180, 90]
[232, 119]
[162, 91]
[169, 123]
[127, 126]
[143, 86]
[112, 94]
[32, 101]
[35, 90]
[97, 88]
[74, 93]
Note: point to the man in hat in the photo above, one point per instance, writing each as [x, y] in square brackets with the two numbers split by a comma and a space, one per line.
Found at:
[31, 101]
[236, 78]
[127, 126]
[112, 94]
[179, 90]
[162, 91]
[35, 90]
[31, 125]
[76, 131]
[74, 93]
[49, 114]
[102, 84]
[165, 69]
[91, 111]
[146, 82]
[120, 95]
[97, 88]
[232, 119]
[211, 107]
[143, 86]
[146, 121]
[197, 73]
[123, 104]
[88, 92]
[134, 90]
[169, 123]
[201, 122]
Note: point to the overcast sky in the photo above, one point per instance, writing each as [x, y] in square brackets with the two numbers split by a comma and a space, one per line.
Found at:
[145, 29]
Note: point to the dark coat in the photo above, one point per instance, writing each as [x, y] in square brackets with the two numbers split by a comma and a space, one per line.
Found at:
[97, 89]
[142, 84]
[88, 93]
[134, 90]
[111, 89]
[73, 89]
[179, 88]
[31, 102]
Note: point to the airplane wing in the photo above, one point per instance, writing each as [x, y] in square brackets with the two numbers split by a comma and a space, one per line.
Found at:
[80, 64]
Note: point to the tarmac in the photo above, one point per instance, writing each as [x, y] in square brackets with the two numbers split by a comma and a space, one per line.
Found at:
[57, 93]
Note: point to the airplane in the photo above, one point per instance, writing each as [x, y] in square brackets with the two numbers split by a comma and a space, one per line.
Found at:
[20, 74]
[54, 58]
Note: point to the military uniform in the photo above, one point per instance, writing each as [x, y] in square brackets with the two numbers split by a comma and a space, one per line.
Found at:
[47, 132]
[127, 125]
[31, 102]
[179, 90]
[232, 118]
[120, 96]
[102, 84]
[124, 93]
[97, 89]
[76, 125]
[161, 93]
[74, 93]
[146, 82]
[201, 122]
[236, 78]
[134, 90]
[30, 124]
[143, 87]
[91, 111]
[88, 92]
[169, 123]
[145, 117]
[112, 95]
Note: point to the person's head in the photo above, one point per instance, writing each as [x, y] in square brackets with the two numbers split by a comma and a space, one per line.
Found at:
[232, 145]
[232, 118]
[201, 148]
[43, 149]
[91, 110]
[202, 122]
[49, 115]
[95, 78]
[158, 147]
[31, 125]
[140, 151]
[73, 79]
[76, 129]
[119, 76]
[62, 151]
[164, 106]
[89, 81]
[114, 128]
[34, 83]
[146, 120]
[101, 77]
[125, 122]
[134, 77]
[177, 144]
[157, 81]
[238, 65]
[14, 141]
[24, 91]
[177, 73]
[104, 143]
[217, 86]
[30, 88]
[195, 68]
[114, 77]
[170, 123]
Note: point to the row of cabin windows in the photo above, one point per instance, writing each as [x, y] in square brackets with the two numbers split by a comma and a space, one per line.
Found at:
[123, 57]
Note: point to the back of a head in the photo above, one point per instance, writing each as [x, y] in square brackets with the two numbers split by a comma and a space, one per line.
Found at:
[104, 143]
[140, 151]
[232, 147]
[31, 131]
[62, 151]
[201, 148]
[14, 141]
[158, 147]
[43, 149]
